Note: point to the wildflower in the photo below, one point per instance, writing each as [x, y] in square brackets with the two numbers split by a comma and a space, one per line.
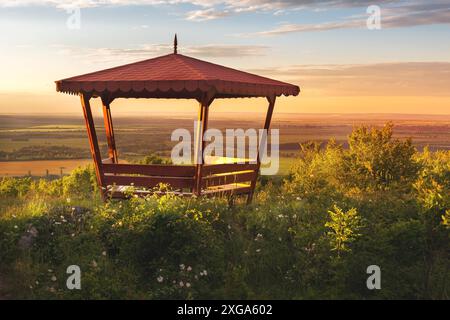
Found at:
[160, 279]
[15, 227]
[94, 263]
[258, 250]
[189, 268]
[104, 253]
[279, 239]
[181, 284]
[68, 200]
[188, 285]
[298, 198]
[53, 278]
[50, 270]
[37, 282]
[182, 266]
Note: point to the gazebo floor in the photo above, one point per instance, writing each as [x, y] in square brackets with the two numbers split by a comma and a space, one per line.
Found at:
[121, 192]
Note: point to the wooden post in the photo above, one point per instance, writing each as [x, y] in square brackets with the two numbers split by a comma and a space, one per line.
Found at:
[203, 114]
[262, 143]
[112, 151]
[93, 142]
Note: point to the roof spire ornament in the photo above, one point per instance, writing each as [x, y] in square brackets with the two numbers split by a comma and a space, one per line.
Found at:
[175, 45]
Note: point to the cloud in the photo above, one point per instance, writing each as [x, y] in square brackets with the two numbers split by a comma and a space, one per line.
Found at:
[395, 13]
[387, 79]
[404, 15]
[226, 50]
[207, 14]
[118, 55]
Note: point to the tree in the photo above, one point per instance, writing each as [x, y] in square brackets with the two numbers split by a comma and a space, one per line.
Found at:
[344, 228]
[377, 161]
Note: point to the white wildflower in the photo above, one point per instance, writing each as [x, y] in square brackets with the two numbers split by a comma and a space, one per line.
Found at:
[160, 279]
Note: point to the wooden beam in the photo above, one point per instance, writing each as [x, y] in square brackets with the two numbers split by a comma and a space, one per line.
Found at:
[93, 142]
[112, 151]
[203, 114]
[210, 169]
[148, 182]
[262, 144]
[157, 170]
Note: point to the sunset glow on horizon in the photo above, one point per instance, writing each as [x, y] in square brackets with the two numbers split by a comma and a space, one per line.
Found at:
[326, 48]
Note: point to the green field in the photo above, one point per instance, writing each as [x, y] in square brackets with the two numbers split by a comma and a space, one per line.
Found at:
[41, 137]
[311, 235]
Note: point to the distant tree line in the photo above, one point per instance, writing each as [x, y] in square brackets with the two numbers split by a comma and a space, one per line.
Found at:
[44, 153]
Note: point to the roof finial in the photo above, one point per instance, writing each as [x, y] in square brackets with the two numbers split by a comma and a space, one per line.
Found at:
[175, 44]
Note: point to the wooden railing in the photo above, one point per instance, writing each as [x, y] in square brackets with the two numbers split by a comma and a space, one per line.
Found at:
[148, 176]
[224, 174]
[214, 176]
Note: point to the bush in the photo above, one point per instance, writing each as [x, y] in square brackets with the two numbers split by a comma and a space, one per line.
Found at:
[383, 200]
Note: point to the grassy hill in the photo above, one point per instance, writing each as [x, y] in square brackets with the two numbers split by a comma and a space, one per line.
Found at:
[311, 235]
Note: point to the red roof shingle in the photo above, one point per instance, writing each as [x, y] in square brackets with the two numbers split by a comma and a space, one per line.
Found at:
[174, 76]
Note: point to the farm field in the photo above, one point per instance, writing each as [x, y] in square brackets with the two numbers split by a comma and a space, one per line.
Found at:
[39, 168]
[40, 143]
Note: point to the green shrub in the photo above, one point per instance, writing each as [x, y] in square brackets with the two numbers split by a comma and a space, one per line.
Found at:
[283, 246]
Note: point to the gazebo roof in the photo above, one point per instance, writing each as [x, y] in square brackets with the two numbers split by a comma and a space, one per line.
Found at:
[174, 76]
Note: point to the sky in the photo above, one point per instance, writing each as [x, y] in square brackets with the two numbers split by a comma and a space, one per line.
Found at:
[348, 56]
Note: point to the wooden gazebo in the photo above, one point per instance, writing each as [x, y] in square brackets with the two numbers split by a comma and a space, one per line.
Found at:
[172, 76]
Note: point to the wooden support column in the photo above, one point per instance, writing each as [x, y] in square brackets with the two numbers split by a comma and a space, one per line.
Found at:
[93, 142]
[262, 144]
[112, 151]
[202, 126]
